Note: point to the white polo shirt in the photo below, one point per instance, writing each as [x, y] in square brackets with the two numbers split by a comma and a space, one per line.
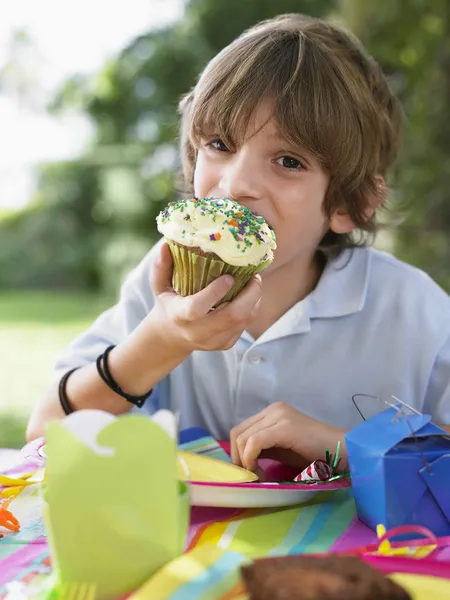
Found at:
[373, 325]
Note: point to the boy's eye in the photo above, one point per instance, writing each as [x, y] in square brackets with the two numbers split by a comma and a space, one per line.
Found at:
[289, 162]
[217, 145]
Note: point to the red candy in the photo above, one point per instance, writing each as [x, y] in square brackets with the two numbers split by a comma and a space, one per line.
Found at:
[319, 470]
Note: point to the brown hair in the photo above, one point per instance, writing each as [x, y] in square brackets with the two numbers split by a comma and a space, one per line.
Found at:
[330, 98]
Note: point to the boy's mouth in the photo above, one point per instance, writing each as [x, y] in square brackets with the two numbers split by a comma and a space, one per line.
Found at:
[265, 219]
[257, 214]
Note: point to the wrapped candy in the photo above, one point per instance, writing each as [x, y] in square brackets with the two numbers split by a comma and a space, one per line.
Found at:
[319, 470]
[323, 471]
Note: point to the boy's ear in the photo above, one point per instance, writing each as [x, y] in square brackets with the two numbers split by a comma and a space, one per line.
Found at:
[342, 222]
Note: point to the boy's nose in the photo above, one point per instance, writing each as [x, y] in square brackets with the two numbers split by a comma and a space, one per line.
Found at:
[240, 179]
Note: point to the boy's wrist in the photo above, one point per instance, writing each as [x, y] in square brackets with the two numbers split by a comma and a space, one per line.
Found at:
[161, 333]
[144, 358]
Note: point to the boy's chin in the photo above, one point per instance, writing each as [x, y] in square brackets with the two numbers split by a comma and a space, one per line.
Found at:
[268, 270]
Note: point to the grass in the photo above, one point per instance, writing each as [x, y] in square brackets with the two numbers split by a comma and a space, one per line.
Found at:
[34, 327]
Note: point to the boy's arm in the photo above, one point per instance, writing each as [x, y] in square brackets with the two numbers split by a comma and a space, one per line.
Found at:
[138, 364]
[151, 336]
[141, 357]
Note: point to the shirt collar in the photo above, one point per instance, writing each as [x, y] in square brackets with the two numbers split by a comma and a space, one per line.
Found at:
[342, 289]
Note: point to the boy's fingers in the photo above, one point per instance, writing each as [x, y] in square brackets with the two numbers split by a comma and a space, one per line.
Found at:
[240, 310]
[161, 274]
[222, 306]
[255, 310]
[238, 432]
[252, 431]
[197, 306]
[263, 439]
[247, 301]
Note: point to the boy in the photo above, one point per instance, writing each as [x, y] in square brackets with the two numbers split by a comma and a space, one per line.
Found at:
[294, 121]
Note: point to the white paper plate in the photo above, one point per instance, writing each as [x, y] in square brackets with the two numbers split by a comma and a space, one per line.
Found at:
[228, 495]
[257, 495]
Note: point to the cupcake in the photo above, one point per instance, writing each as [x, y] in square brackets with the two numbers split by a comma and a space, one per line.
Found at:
[210, 237]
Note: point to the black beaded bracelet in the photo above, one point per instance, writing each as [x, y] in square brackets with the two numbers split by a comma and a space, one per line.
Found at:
[105, 374]
[63, 399]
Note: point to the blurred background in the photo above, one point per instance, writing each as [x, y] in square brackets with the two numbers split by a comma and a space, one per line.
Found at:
[88, 150]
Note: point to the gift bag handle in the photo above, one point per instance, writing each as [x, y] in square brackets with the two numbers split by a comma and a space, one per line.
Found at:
[397, 400]
[402, 529]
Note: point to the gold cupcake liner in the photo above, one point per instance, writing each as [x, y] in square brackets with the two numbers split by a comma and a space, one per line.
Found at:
[193, 272]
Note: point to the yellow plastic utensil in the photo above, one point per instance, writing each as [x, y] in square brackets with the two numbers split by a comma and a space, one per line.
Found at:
[14, 481]
[14, 485]
[195, 467]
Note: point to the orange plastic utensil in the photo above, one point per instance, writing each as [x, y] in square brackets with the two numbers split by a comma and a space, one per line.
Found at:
[7, 519]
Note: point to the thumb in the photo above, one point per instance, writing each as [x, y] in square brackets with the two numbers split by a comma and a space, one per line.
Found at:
[261, 474]
[161, 273]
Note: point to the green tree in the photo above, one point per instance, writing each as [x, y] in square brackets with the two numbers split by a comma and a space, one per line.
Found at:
[56, 242]
[411, 40]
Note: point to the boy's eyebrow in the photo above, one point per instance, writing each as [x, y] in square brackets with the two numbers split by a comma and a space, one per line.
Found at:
[276, 135]
[279, 138]
[288, 146]
[208, 131]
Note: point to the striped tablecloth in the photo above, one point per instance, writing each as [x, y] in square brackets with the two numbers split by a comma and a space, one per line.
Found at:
[219, 540]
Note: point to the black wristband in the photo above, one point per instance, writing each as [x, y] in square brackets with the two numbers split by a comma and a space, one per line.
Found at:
[63, 399]
[105, 374]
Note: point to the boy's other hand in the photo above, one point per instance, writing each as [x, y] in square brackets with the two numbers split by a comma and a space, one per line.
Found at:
[282, 433]
[189, 322]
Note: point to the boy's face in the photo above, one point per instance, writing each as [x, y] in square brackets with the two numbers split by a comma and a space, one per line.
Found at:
[274, 181]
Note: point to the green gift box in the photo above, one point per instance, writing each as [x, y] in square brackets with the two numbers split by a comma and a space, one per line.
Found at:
[115, 510]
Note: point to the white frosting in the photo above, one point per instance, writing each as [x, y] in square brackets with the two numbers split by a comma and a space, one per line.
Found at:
[221, 226]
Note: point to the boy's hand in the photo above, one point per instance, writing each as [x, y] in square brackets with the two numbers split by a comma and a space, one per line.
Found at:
[189, 322]
[283, 433]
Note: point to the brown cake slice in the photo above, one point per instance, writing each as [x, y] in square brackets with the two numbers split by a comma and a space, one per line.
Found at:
[318, 578]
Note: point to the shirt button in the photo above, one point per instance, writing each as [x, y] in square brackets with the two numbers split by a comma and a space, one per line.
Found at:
[254, 359]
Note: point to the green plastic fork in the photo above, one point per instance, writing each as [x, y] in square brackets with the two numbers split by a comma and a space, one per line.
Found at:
[76, 591]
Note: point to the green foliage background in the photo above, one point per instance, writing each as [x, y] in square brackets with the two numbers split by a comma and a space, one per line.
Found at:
[94, 218]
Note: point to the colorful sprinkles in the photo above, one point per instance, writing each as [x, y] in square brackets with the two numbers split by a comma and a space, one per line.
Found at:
[240, 221]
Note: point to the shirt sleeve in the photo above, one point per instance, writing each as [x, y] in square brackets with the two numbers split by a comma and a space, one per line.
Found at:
[115, 324]
[437, 400]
